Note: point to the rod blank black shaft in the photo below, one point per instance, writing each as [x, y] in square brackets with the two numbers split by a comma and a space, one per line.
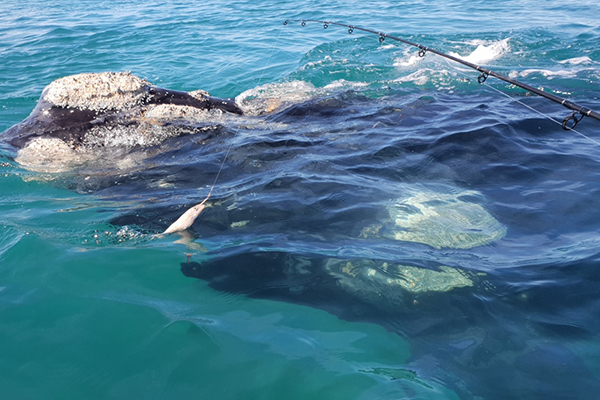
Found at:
[568, 123]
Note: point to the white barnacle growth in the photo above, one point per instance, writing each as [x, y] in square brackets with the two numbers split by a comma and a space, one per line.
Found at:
[97, 91]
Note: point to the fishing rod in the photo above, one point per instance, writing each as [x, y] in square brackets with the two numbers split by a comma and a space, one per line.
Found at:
[578, 111]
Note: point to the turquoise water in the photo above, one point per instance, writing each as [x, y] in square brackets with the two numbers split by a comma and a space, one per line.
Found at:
[93, 304]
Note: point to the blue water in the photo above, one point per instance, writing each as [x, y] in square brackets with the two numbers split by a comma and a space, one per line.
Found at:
[93, 304]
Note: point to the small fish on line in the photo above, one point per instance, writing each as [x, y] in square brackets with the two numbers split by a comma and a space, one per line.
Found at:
[187, 219]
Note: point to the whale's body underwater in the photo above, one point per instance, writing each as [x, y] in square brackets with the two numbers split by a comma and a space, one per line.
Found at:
[442, 308]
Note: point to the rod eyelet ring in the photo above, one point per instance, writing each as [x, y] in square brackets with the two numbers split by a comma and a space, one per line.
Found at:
[422, 53]
[350, 30]
[482, 77]
[325, 25]
[381, 38]
[573, 117]
[303, 23]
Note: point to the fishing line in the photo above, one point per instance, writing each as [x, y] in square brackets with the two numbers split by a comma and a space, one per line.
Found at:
[187, 218]
[488, 86]
[239, 125]
[569, 122]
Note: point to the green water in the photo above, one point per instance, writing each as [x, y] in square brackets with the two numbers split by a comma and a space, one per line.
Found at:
[109, 323]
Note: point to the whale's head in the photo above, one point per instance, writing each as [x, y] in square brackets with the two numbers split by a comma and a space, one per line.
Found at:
[79, 114]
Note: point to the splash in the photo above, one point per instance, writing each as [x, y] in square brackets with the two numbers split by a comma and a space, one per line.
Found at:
[544, 72]
[408, 59]
[412, 60]
[577, 61]
[486, 51]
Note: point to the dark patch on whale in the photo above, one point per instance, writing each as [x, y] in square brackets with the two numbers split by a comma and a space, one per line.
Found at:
[166, 96]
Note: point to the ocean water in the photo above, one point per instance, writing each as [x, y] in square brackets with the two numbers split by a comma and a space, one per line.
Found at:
[325, 266]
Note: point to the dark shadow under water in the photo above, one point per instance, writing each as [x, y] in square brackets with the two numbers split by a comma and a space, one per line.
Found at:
[309, 179]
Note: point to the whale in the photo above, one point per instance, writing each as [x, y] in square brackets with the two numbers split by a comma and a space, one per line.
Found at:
[74, 108]
[461, 332]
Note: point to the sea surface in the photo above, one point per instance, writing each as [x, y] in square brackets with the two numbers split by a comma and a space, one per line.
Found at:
[390, 230]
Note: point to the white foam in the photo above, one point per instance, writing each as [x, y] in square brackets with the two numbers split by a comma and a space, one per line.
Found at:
[326, 60]
[420, 77]
[577, 61]
[423, 76]
[485, 51]
[344, 84]
[408, 58]
[545, 72]
[412, 60]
